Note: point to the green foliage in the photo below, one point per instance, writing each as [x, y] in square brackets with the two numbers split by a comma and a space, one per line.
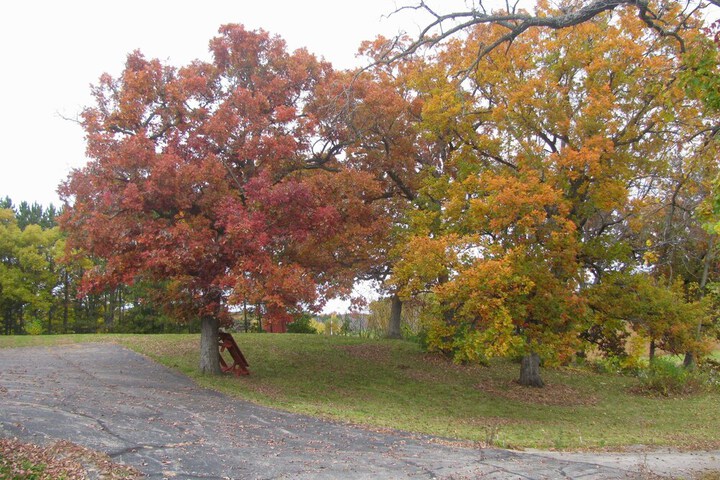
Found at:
[626, 364]
[28, 271]
[39, 284]
[711, 324]
[302, 325]
[701, 77]
[35, 214]
[664, 314]
[34, 327]
[666, 377]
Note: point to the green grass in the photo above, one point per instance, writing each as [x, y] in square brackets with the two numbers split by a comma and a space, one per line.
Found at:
[392, 384]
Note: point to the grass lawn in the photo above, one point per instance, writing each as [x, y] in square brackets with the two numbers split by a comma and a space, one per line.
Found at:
[392, 384]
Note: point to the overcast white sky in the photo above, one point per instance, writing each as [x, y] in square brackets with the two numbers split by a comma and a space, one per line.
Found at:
[52, 51]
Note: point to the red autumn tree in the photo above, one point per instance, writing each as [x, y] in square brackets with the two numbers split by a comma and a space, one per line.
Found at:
[210, 180]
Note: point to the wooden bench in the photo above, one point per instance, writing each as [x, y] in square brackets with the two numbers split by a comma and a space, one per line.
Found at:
[240, 365]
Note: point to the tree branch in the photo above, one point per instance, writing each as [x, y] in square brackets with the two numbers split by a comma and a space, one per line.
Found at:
[447, 25]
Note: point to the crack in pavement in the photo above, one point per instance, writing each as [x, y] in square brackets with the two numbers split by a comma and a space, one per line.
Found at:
[147, 446]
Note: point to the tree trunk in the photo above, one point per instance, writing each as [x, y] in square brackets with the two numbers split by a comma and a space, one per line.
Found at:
[66, 301]
[395, 317]
[209, 353]
[652, 350]
[690, 360]
[110, 299]
[6, 320]
[258, 314]
[19, 322]
[121, 304]
[246, 320]
[530, 371]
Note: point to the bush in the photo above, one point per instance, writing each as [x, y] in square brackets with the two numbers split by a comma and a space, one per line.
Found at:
[302, 325]
[710, 370]
[619, 365]
[34, 327]
[665, 377]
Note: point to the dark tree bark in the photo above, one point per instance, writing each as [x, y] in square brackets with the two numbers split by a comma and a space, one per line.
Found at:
[689, 361]
[209, 353]
[395, 317]
[530, 371]
[652, 350]
[6, 320]
[121, 303]
[246, 320]
[66, 301]
[110, 305]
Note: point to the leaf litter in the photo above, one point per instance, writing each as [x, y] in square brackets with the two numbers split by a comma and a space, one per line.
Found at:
[59, 460]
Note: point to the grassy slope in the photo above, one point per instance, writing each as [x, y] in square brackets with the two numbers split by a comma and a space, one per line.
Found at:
[392, 384]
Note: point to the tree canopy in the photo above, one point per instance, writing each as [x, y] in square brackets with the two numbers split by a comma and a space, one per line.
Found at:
[515, 191]
[208, 181]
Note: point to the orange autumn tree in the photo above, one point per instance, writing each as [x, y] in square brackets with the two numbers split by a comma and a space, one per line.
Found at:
[557, 144]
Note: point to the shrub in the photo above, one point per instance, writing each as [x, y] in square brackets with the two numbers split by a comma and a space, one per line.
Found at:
[710, 370]
[34, 327]
[302, 325]
[619, 365]
[665, 377]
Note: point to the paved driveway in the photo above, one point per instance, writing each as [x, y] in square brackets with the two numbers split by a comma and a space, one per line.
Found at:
[108, 398]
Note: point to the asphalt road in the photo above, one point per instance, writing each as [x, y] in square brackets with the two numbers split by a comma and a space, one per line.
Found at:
[107, 398]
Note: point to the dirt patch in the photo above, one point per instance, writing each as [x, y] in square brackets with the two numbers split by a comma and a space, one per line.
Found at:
[59, 460]
[374, 353]
[550, 395]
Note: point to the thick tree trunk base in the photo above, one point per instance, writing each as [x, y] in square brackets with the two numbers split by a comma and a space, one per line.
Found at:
[395, 317]
[209, 351]
[530, 371]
